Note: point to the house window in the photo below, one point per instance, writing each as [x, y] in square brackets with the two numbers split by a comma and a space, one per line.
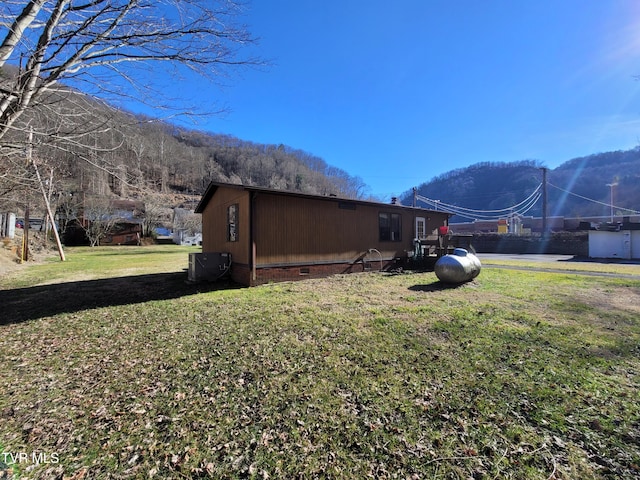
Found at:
[232, 223]
[421, 228]
[390, 226]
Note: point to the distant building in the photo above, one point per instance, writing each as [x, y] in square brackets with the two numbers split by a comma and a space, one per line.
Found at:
[185, 232]
[124, 232]
[615, 240]
[125, 218]
[529, 225]
[184, 237]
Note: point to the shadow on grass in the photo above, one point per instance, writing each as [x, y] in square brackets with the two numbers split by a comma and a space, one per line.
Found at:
[435, 287]
[31, 303]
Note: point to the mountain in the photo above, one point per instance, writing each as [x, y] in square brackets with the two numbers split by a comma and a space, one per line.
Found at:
[577, 188]
[590, 178]
[86, 147]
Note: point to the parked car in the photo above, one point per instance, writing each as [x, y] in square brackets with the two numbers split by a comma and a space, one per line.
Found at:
[19, 223]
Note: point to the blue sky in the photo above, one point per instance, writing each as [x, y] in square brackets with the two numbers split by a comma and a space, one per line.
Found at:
[399, 92]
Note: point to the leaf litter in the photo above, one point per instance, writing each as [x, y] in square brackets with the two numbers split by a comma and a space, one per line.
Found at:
[350, 376]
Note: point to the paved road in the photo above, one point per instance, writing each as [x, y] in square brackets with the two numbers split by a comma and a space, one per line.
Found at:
[533, 257]
[525, 257]
[564, 259]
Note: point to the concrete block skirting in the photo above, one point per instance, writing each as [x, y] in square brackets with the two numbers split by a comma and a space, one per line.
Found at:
[242, 274]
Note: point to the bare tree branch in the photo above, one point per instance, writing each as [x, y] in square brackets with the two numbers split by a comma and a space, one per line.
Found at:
[22, 21]
[110, 48]
[65, 41]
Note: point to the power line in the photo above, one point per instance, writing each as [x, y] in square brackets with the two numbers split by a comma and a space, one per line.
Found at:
[594, 201]
[520, 208]
[480, 216]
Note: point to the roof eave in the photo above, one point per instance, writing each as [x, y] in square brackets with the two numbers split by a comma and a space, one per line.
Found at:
[213, 187]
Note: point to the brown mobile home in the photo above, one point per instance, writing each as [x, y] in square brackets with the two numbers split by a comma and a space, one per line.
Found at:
[276, 235]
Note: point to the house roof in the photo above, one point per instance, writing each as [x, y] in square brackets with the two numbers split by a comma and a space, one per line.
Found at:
[213, 187]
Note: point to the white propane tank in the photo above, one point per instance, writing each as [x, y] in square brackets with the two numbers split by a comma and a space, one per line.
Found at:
[459, 267]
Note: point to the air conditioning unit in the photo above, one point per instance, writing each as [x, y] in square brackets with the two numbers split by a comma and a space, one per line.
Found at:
[209, 266]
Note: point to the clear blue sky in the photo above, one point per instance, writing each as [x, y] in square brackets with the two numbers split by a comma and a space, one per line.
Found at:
[399, 92]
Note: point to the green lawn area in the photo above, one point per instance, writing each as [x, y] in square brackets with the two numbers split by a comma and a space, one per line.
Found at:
[115, 368]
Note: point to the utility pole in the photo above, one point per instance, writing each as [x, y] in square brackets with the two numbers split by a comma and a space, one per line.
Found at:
[25, 232]
[611, 185]
[544, 201]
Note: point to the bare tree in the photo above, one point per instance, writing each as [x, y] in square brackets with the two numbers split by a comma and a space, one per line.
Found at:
[156, 213]
[192, 223]
[187, 220]
[99, 218]
[106, 48]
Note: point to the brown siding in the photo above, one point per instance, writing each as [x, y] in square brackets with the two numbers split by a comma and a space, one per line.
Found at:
[302, 236]
[302, 231]
[214, 224]
[125, 234]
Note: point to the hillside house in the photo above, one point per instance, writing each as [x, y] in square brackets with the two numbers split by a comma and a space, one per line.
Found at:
[186, 231]
[122, 220]
[276, 235]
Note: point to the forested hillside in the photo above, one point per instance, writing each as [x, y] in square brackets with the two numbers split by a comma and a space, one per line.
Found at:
[577, 188]
[83, 146]
[590, 177]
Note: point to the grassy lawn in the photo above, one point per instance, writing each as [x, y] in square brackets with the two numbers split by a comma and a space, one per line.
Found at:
[115, 368]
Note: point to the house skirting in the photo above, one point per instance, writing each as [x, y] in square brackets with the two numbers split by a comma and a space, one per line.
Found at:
[243, 274]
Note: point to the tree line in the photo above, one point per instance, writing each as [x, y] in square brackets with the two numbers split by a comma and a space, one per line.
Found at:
[65, 66]
[88, 149]
[577, 188]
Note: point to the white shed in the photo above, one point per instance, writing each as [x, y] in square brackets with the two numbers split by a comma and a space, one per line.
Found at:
[623, 244]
